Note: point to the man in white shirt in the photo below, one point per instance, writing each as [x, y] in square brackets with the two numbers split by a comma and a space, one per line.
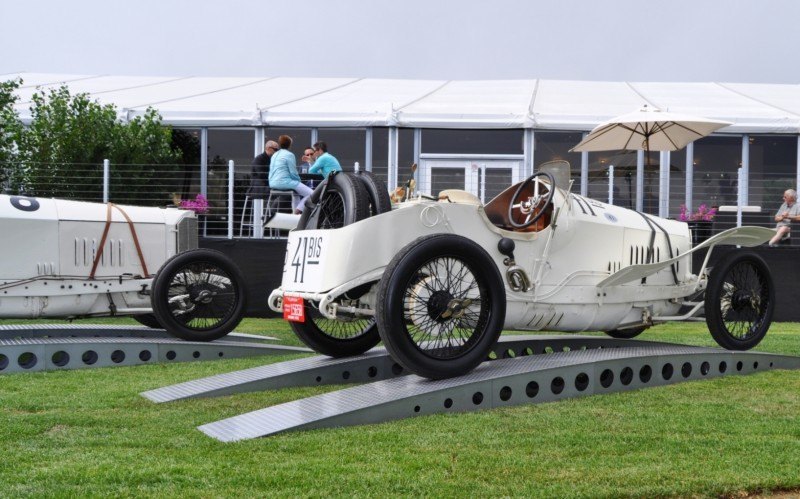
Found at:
[788, 212]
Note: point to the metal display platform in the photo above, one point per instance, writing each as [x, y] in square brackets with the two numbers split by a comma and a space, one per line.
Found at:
[574, 366]
[58, 347]
[374, 365]
[102, 330]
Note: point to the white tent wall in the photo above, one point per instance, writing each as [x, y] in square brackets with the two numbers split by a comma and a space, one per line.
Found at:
[353, 102]
[530, 105]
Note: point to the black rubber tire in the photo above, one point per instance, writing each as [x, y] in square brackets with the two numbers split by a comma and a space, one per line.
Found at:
[345, 201]
[225, 306]
[626, 334]
[335, 338]
[740, 300]
[377, 192]
[402, 286]
[148, 320]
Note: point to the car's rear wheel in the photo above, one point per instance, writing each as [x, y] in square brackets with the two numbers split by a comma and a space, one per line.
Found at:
[740, 299]
[336, 337]
[344, 200]
[441, 306]
[199, 295]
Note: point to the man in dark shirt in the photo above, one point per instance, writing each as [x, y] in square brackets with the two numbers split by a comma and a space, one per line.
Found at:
[259, 188]
[258, 192]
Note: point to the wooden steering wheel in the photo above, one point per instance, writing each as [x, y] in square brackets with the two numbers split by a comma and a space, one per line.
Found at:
[534, 206]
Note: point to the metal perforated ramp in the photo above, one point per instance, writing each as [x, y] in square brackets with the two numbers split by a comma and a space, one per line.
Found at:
[25, 354]
[373, 366]
[506, 382]
[101, 330]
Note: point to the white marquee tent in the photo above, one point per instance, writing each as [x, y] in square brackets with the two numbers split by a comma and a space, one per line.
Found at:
[359, 102]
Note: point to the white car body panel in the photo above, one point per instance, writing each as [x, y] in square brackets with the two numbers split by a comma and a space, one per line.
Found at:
[48, 248]
[571, 263]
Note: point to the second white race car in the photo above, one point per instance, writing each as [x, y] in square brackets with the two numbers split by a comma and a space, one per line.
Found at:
[438, 279]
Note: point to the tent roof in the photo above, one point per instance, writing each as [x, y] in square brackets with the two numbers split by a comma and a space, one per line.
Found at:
[359, 102]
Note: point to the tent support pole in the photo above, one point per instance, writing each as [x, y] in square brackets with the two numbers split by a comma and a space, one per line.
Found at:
[639, 180]
[584, 170]
[745, 169]
[688, 201]
[204, 161]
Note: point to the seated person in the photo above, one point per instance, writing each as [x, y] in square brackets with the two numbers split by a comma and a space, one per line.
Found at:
[324, 162]
[788, 212]
[283, 174]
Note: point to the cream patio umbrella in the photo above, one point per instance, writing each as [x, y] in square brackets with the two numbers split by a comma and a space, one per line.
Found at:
[648, 129]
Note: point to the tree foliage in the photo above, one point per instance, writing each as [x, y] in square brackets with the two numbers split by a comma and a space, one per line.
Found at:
[60, 152]
[10, 126]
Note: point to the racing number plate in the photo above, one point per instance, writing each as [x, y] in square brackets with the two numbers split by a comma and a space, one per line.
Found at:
[305, 255]
[293, 309]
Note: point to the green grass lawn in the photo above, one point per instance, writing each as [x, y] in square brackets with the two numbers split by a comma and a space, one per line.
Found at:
[89, 433]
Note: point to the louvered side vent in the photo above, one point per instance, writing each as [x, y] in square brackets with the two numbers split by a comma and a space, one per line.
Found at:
[86, 251]
[187, 234]
[45, 268]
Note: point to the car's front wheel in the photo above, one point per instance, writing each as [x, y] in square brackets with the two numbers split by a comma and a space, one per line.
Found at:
[740, 299]
[441, 306]
[199, 295]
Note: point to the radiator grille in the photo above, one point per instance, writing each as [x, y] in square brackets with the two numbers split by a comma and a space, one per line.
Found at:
[187, 234]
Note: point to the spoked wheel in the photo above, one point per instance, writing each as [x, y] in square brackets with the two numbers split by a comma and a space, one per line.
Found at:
[339, 201]
[199, 295]
[739, 302]
[441, 306]
[530, 210]
[336, 338]
[626, 334]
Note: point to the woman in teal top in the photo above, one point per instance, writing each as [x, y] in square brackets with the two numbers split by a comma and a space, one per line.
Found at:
[324, 162]
[283, 174]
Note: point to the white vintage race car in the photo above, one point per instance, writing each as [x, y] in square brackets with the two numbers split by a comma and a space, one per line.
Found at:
[437, 279]
[70, 259]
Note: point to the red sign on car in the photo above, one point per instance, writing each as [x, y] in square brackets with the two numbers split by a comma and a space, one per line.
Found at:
[293, 309]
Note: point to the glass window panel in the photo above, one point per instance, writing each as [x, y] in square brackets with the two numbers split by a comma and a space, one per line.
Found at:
[446, 178]
[225, 145]
[405, 155]
[230, 144]
[187, 140]
[677, 182]
[773, 169]
[624, 189]
[380, 153]
[347, 145]
[716, 163]
[496, 181]
[441, 141]
[599, 173]
[552, 146]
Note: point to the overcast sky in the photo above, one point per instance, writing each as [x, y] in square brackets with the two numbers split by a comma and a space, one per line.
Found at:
[616, 40]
